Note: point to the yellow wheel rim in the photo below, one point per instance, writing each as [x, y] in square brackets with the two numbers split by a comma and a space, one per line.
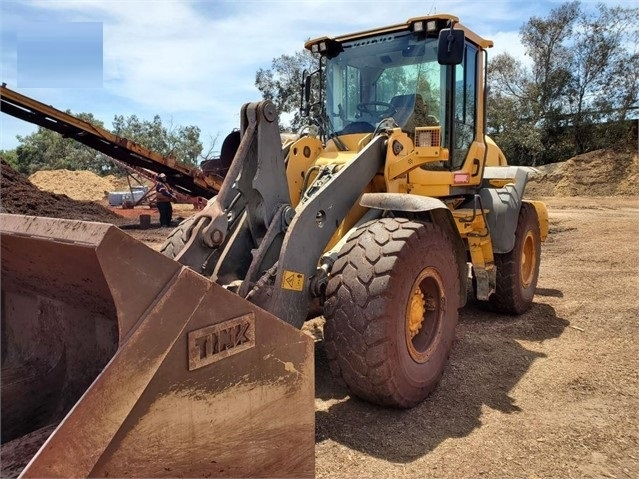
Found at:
[424, 314]
[416, 310]
[528, 260]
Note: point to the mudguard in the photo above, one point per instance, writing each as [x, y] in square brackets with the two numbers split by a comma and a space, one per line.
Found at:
[503, 204]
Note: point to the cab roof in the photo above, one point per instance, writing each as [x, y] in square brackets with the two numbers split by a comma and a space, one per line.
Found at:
[441, 18]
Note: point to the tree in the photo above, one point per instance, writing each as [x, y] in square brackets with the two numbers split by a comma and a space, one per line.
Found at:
[582, 81]
[211, 152]
[604, 82]
[10, 157]
[48, 150]
[282, 84]
[181, 142]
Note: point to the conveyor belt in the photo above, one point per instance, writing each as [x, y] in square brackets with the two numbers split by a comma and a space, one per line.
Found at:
[188, 180]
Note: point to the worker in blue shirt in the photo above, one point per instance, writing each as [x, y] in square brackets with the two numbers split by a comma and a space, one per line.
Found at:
[164, 196]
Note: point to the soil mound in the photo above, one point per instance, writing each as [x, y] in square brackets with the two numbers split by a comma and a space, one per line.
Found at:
[77, 185]
[19, 196]
[597, 173]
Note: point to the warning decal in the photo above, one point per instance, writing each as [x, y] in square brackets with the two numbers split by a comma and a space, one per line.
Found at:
[293, 281]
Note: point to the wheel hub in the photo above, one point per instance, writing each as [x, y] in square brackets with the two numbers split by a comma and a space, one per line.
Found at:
[424, 313]
[416, 311]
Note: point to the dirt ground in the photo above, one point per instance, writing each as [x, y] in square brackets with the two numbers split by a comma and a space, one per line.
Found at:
[551, 393]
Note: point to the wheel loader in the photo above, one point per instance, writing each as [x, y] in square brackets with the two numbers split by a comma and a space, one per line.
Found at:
[374, 215]
[383, 214]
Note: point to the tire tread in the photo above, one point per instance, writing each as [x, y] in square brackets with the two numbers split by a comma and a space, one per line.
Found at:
[355, 337]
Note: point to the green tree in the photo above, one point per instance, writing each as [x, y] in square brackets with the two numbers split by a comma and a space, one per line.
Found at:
[582, 81]
[179, 142]
[604, 81]
[512, 116]
[282, 84]
[48, 150]
[10, 157]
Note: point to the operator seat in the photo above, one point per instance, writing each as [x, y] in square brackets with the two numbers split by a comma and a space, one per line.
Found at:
[404, 106]
[357, 127]
[420, 116]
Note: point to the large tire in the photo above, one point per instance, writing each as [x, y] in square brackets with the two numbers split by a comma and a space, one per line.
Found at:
[178, 238]
[391, 311]
[181, 235]
[518, 271]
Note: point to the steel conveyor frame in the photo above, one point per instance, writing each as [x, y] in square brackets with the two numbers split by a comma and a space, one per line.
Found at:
[186, 179]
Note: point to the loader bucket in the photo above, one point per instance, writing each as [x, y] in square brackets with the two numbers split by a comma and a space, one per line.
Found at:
[141, 367]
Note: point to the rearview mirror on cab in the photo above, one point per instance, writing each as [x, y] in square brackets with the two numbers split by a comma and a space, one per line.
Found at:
[450, 47]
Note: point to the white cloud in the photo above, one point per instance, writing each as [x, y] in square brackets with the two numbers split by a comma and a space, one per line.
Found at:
[196, 61]
[508, 42]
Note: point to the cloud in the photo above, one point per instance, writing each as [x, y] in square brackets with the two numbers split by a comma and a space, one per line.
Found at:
[189, 48]
[508, 42]
[195, 61]
[60, 54]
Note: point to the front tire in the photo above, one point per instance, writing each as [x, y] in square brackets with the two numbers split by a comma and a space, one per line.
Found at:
[178, 238]
[391, 311]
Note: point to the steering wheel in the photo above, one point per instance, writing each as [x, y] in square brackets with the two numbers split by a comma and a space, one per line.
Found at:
[378, 109]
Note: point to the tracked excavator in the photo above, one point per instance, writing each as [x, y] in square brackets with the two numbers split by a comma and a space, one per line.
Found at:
[389, 206]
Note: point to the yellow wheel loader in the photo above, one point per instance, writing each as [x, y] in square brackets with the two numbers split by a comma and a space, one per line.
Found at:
[391, 201]
[377, 211]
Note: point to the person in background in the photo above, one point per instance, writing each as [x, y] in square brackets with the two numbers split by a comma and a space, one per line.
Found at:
[164, 196]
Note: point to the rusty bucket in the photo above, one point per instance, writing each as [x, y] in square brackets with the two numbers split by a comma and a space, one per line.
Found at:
[138, 366]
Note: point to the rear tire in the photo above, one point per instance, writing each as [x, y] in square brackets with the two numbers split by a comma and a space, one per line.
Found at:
[518, 270]
[391, 311]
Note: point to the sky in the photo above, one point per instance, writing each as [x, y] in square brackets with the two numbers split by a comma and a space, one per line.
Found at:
[194, 62]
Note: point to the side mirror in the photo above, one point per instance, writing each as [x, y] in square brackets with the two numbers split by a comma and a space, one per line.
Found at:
[450, 47]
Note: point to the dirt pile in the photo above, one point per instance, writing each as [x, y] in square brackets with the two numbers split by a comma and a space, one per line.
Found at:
[82, 185]
[597, 173]
[77, 185]
[19, 196]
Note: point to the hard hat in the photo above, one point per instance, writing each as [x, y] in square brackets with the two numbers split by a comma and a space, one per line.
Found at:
[161, 176]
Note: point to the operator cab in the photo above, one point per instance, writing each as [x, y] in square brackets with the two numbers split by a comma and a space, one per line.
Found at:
[381, 77]
[394, 72]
